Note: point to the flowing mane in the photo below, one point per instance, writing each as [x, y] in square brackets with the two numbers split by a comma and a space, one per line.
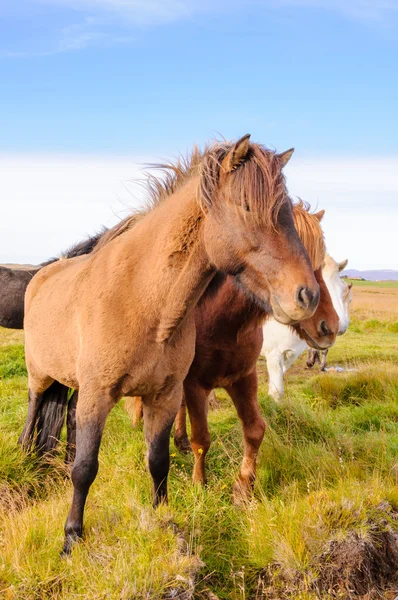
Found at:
[310, 231]
[256, 178]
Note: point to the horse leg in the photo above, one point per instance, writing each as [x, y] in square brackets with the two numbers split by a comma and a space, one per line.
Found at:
[323, 359]
[133, 407]
[289, 357]
[181, 440]
[26, 437]
[275, 374]
[197, 402]
[91, 414]
[244, 396]
[312, 358]
[71, 429]
[159, 415]
[38, 384]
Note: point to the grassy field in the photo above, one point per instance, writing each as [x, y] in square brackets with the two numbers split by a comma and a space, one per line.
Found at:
[374, 284]
[323, 522]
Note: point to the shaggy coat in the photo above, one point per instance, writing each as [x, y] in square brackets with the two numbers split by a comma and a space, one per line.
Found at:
[120, 321]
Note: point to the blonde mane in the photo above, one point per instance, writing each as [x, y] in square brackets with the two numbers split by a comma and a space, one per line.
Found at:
[257, 178]
[310, 231]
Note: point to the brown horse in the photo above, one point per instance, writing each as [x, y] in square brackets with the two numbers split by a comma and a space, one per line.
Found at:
[120, 321]
[228, 343]
[14, 281]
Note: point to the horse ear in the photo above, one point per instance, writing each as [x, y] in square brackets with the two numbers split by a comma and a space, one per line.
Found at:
[284, 157]
[319, 215]
[237, 155]
[342, 265]
[349, 285]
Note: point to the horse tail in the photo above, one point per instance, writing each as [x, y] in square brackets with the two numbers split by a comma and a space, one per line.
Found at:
[51, 417]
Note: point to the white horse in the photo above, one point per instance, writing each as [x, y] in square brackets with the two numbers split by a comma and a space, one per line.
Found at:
[282, 346]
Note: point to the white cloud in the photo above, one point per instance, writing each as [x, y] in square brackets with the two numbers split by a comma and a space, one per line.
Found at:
[360, 198]
[48, 202]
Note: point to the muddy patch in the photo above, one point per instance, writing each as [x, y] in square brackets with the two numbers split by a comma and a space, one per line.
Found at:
[360, 567]
[356, 567]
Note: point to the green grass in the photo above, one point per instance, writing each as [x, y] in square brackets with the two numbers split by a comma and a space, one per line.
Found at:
[326, 469]
[12, 361]
[375, 284]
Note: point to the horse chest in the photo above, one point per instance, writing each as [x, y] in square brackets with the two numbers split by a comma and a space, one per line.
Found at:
[223, 366]
[150, 369]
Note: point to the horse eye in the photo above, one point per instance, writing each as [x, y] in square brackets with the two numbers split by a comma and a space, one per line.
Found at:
[247, 207]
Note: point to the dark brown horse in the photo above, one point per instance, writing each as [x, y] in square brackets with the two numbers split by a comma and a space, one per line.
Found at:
[14, 281]
[13, 284]
[120, 321]
[229, 338]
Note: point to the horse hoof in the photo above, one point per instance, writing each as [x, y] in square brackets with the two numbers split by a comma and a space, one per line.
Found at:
[199, 481]
[67, 549]
[241, 493]
[182, 444]
[71, 538]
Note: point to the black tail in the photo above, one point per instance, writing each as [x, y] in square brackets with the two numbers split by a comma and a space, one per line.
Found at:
[51, 417]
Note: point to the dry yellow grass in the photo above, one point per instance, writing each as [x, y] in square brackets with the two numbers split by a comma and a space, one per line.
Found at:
[375, 303]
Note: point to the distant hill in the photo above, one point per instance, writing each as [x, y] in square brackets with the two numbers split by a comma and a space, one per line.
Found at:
[376, 275]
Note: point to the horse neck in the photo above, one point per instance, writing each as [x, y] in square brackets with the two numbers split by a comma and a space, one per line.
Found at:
[175, 252]
[336, 289]
[225, 309]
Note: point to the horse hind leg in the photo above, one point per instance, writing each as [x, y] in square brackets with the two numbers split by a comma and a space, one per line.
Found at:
[37, 388]
[27, 435]
[71, 429]
[181, 440]
[198, 406]
[244, 396]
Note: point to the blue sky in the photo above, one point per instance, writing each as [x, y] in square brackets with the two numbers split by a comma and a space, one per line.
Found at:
[145, 79]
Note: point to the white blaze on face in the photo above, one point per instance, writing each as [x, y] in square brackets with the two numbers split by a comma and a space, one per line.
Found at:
[339, 291]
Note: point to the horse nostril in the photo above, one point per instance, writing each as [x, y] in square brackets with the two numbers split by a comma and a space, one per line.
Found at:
[304, 297]
[323, 328]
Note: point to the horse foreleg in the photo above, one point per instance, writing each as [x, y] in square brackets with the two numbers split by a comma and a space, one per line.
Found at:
[312, 357]
[159, 415]
[181, 440]
[323, 359]
[91, 414]
[275, 374]
[244, 396]
[197, 403]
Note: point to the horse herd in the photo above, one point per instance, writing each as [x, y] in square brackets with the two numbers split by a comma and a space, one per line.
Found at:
[177, 299]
